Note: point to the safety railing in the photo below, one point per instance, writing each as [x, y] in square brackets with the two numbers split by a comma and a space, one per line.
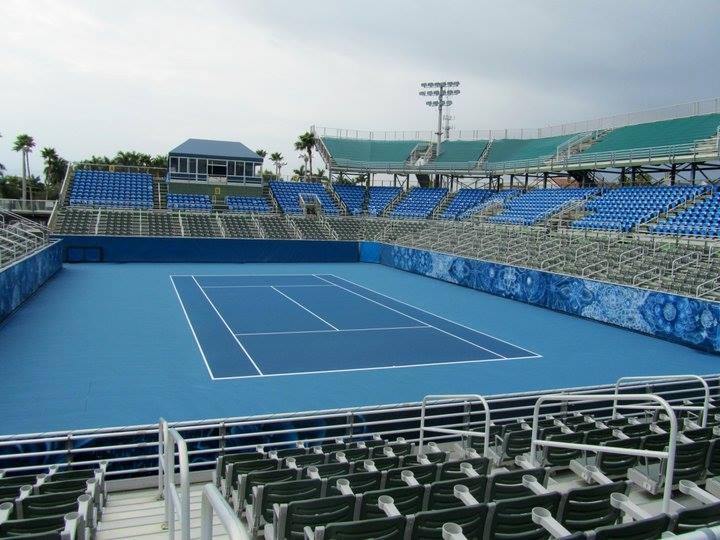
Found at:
[668, 455]
[177, 502]
[214, 504]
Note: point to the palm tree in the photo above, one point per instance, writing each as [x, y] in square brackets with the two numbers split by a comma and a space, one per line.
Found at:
[299, 173]
[24, 143]
[262, 153]
[55, 167]
[305, 143]
[277, 159]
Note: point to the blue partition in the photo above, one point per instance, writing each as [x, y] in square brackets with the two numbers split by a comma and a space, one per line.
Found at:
[673, 317]
[22, 278]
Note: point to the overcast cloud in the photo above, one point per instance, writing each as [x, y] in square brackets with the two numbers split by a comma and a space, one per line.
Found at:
[97, 76]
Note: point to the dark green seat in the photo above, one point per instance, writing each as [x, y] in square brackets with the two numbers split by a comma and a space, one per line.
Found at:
[637, 430]
[383, 463]
[428, 525]
[451, 469]
[227, 459]
[598, 436]
[586, 508]
[701, 434]
[433, 457]
[713, 465]
[307, 460]
[293, 517]
[372, 443]
[386, 528]
[328, 470]
[696, 518]
[424, 474]
[511, 519]
[62, 486]
[266, 495]
[50, 504]
[512, 444]
[690, 464]
[509, 485]
[21, 527]
[359, 482]
[615, 465]
[408, 500]
[353, 454]
[260, 478]
[646, 529]
[17, 481]
[329, 448]
[237, 468]
[288, 452]
[442, 496]
[561, 457]
[398, 448]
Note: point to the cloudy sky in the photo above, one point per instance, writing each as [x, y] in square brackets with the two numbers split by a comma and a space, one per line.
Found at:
[96, 76]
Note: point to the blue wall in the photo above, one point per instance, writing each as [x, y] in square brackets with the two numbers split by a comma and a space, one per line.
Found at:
[144, 249]
[676, 318]
[21, 279]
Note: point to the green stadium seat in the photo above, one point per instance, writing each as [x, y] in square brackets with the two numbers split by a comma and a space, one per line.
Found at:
[427, 525]
[266, 495]
[508, 485]
[451, 469]
[512, 519]
[646, 529]
[359, 482]
[408, 500]
[586, 508]
[442, 492]
[386, 528]
[423, 474]
[237, 468]
[290, 519]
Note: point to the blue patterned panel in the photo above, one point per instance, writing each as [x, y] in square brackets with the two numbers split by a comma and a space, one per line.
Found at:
[685, 320]
[20, 280]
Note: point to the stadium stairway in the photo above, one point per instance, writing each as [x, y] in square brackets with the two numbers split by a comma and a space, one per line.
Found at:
[394, 203]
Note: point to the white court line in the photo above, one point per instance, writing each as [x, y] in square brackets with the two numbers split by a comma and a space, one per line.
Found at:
[259, 286]
[325, 371]
[228, 327]
[414, 319]
[332, 331]
[428, 312]
[303, 307]
[182, 305]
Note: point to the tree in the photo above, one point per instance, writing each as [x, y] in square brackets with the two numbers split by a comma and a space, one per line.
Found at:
[321, 176]
[24, 143]
[55, 167]
[305, 143]
[299, 173]
[277, 159]
[262, 153]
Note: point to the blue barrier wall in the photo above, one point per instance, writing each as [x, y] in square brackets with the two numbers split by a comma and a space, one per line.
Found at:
[681, 319]
[21, 279]
[232, 250]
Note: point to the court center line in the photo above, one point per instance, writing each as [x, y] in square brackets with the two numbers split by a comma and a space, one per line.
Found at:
[259, 286]
[333, 331]
[413, 318]
[228, 327]
[303, 307]
[192, 329]
[428, 312]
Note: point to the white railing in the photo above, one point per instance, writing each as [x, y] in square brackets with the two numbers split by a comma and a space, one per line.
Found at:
[213, 503]
[177, 503]
[668, 455]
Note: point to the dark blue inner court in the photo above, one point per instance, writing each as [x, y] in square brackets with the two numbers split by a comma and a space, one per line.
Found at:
[109, 344]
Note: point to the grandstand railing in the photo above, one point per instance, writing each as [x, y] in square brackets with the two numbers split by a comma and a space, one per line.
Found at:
[20, 236]
[27, 206]
[133, 451]
[177, 503]
[213, 503]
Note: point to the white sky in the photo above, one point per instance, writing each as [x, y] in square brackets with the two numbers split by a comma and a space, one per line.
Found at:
[96, 76]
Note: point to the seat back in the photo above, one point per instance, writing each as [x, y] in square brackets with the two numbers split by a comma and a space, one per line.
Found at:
[353, 454]
[259, 478]
[451, 469]
[408, 500]
[433, 457]
[315, 512]
[586, 508]
[291, 452]
[512, 519]
[285, 492]
[646, 529]
[616, 465]
[427, 525]
[700, 434]
[359, 482]
[696, 518]
[690, 461]
[227, 459]
[22, 527]
[597, 436]
[385, 528]
[51, 504]
[509, 485]
[713, 465]
[329, 470]
[516, 443]
[442, 492]
[424, 474]
[386, 463]
[245, 467]
[561, 457]
[308, 459]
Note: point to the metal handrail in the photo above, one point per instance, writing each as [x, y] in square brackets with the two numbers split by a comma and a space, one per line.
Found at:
[176, 502]
[668, 455]
[447, 400]
[706, 401]
[213, 503]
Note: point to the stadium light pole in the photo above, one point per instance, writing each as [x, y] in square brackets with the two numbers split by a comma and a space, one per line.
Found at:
[438, 92]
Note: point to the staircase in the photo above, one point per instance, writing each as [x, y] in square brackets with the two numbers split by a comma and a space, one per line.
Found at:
[579, 143]
[160, 195]
[440, 208]
[391, 206]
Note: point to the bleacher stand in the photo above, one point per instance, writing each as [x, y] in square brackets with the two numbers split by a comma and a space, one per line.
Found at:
[184, 201]
[540, 204]
[379, 197]
[701, 220]
[288, 194]
[465, 201]
[248, 204]
[623, 209]
[419, 203]
[352, 196]
[114, 189]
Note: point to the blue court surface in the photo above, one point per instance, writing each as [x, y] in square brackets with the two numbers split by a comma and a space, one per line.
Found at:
[123, 344]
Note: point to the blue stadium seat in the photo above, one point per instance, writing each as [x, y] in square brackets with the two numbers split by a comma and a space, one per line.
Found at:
[112, 189]
[701, 220]
[352, 196]
[258, 205]
[287, 194]
[185, 201]
[419, 203]
[540, 204]
[465, 201]
[379, 197]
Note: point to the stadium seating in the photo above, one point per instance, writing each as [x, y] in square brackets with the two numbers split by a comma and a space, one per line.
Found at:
[419, 203]
[461, 152]
[114, 189]
[368, 151]
[663, 133]
[247, 204]
[701, 220]
[379, 197]
[465, 201]
[623, 209]
[540, 204]
[352, 196]
[503, 150]
[287, 195]
[184, 201]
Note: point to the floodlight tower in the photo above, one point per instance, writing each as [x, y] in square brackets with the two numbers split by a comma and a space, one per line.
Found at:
[438, 92]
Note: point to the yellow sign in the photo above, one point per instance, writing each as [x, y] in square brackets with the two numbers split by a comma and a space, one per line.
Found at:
[216, 191]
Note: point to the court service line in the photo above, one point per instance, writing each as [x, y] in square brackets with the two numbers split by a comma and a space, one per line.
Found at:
[414, 319]
[428, 312]
[192, 329]
[228, 327]
[303, 307]
[260, 286]
[333, 331]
